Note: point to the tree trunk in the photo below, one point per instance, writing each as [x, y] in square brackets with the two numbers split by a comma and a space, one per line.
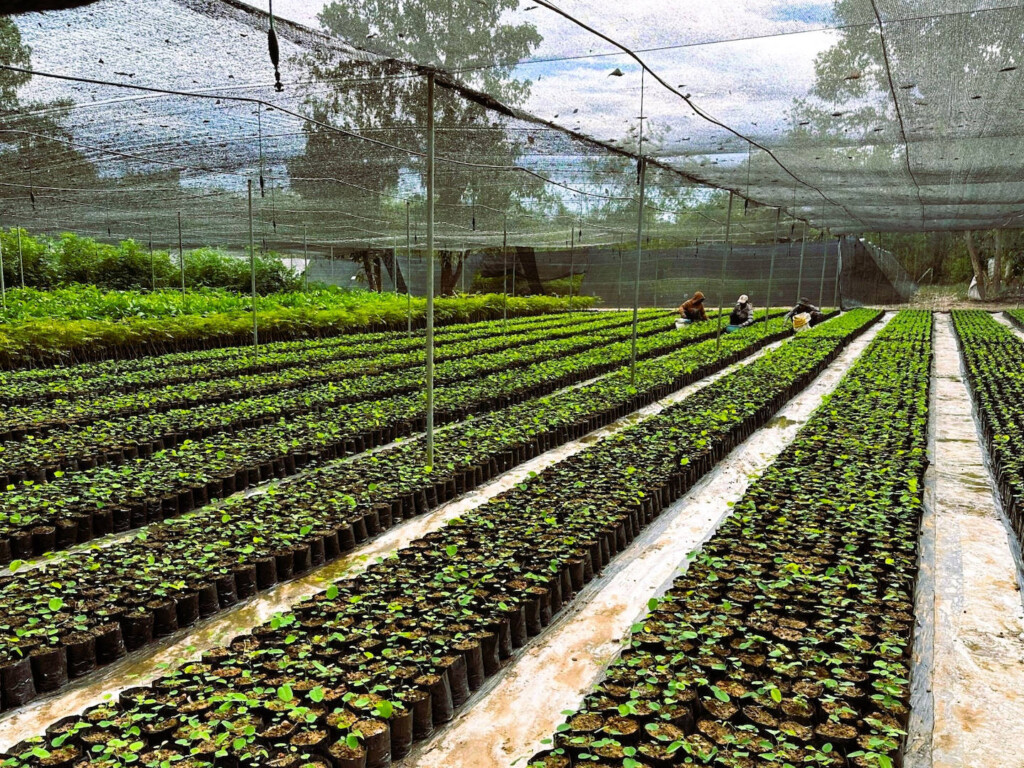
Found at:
[451, 269]
[976, 264]
[371, 268]
[394, 268]
[997, 277]
[526, 260]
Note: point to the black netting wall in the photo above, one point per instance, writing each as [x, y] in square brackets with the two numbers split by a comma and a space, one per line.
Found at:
[771, 275]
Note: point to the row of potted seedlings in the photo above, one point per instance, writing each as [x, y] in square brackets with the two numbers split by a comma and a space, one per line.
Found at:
[239, 355]
[993, 358]
[86, 441]
[1016, 316]
[352, 677]
[68, 616]
[155, 372]
[39, 417]
[787, 640]
[74, 507]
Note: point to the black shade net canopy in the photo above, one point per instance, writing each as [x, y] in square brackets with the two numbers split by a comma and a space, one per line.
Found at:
[856, 116]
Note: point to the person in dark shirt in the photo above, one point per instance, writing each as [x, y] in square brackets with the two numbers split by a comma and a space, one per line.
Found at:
[805, 305]
[742, 314]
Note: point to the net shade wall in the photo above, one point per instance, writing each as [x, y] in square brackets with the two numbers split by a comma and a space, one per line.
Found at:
[669, 274]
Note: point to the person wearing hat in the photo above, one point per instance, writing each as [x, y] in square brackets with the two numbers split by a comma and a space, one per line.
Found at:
[804, 307]
[742, 314]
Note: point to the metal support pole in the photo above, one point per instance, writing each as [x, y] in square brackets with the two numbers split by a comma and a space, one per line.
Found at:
[3, 283]
[771, 270]
[305, 261]
[181, 257]
[800, 278]
[572, 261]
[408, 269]
[839, 269]
[394, 263]
[252, 274]
[821, 284]
[430, 269]
[657, 263]
[618, 287]
[504, 273]
[21, 260]
[636, 279]
[721, 276]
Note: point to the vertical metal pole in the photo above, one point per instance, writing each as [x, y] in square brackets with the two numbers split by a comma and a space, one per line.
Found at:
[572, 261]
[657, 263]
[252, 274]
[305, 260]
[3, 283]
[771, 270]
[618, 287]
[181, 257]
[821, 284]
[636, 279]
[504, 273]
[430, 269]
[408, 270]
[800, 278]
[21, 260]
[394, 263]
[839, 269]
[721, 276]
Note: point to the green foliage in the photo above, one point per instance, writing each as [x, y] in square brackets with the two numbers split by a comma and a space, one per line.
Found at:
[71, 260]
[84, 323]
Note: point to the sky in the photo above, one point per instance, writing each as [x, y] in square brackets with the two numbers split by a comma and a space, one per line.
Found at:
[707, 47]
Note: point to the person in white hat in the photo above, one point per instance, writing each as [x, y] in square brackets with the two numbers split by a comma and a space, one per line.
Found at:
[742, 314]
